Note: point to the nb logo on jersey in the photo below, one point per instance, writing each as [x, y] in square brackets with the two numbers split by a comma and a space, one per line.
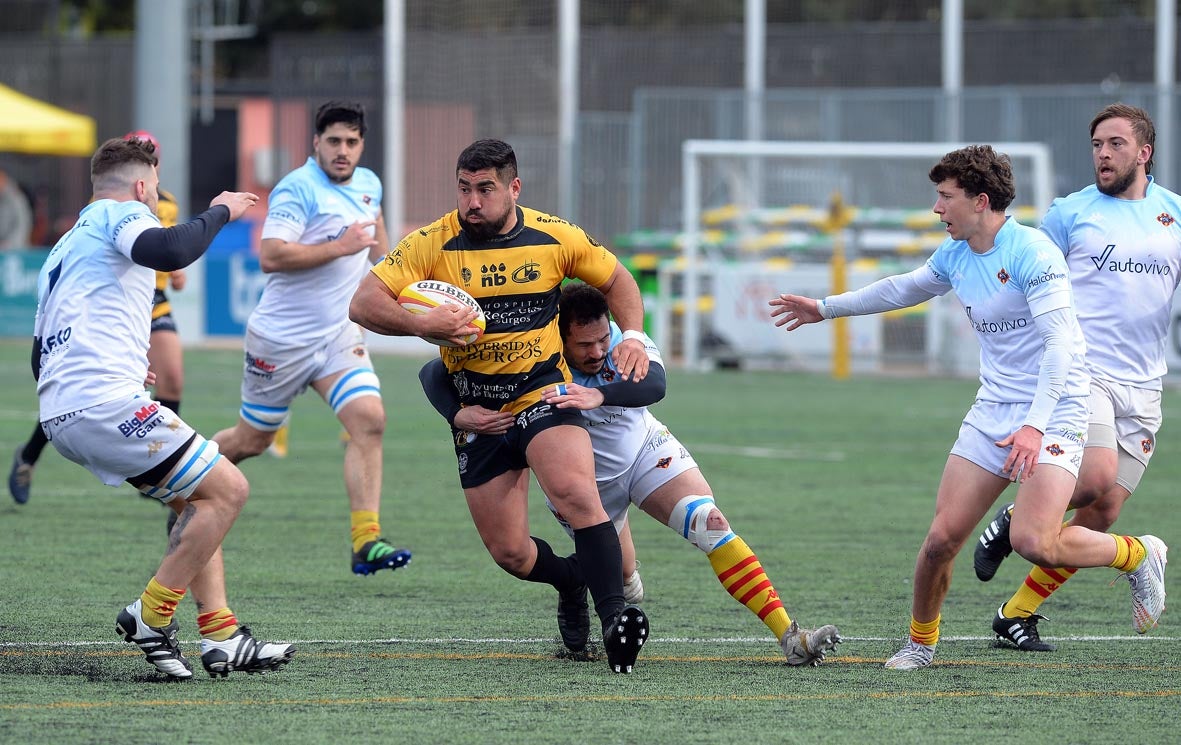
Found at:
[492, 275]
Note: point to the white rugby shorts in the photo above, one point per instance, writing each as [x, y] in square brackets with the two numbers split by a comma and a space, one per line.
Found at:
[662, 459]
[988, 422]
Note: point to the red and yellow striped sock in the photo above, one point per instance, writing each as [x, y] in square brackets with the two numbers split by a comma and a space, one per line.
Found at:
[742, 575]
[159, 603]
[217, 625]
[1129, 552]
[1040, 583]
[925, 632]
[365, 528]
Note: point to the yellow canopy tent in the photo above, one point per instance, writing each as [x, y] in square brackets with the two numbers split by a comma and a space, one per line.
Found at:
[37, 128]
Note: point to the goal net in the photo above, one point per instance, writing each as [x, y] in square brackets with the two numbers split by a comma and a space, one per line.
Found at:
[812, 218]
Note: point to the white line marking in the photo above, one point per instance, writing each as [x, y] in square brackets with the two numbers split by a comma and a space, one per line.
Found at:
[657, 639]
[833, 456]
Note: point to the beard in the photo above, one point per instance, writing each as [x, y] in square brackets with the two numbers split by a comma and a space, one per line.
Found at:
[485, 230]
[326, 167]
[1121, 183]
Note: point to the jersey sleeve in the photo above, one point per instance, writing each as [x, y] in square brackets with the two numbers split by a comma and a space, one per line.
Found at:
[1041, 269]
[1055, 227]
[410, 260]
[288, 211]
[589, 260]
[129, 220]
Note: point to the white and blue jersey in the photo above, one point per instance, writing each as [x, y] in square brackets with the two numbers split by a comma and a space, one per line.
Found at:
[618, 433]
[1022, 276]
[94, 310]
[306, 207]
[1124, 259]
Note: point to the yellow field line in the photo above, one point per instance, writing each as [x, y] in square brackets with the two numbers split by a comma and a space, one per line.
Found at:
[604, 698]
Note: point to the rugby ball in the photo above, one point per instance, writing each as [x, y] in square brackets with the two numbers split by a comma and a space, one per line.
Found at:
[425, 294]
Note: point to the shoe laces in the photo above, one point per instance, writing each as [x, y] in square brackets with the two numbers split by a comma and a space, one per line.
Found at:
[23, 473]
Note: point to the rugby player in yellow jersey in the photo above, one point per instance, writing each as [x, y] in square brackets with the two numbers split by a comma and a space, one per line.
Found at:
[513, 260]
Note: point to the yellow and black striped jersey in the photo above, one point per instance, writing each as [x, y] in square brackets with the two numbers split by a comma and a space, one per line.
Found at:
[167, 210]
[517, 280]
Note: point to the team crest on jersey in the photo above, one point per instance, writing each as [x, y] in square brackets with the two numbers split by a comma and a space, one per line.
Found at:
[527, 272]
[366, 199]
[1003, 276]
[1146, 446]
[607, 374]
[664, 462]
[1055, 449]
[358, 351]
[1165, 219]
[466, 275]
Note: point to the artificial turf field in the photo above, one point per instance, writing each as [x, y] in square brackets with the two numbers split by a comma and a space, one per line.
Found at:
[832, 484]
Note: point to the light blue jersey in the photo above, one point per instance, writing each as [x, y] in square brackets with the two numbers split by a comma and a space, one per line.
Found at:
[94, 310]
[618, 433]
[1124, 258]
[1022, 276]
[306, 207]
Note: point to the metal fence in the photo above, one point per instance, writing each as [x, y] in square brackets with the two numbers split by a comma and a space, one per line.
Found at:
[643, 92]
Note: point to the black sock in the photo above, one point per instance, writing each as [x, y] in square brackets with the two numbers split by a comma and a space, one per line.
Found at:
[602, 568]
[173, 404]
[34, 446]
[551, 569]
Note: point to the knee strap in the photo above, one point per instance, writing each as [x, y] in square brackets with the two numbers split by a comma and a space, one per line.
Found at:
[188, 472]
[689, 518]
[353, 384]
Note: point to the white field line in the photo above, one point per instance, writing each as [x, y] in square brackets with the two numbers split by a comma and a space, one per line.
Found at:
[659, 640]
[826, 456]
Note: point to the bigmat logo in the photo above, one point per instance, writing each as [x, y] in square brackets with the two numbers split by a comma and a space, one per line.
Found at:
[144, 421]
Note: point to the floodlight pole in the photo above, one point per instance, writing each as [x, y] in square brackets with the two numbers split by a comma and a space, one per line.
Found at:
[953, 69]
[162, 89]
[394, 117]
[1166, 78]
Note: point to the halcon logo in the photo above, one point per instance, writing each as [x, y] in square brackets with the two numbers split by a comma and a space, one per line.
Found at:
[1104, 261]
[491, 275]
[1046, 276]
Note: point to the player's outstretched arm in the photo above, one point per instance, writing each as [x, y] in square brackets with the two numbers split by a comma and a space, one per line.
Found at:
[169, 249]
[794, 311]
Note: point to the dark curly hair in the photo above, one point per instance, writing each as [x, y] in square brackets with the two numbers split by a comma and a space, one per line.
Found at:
[978, 169]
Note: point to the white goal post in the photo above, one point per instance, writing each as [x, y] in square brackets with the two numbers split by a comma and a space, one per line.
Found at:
[748, 173]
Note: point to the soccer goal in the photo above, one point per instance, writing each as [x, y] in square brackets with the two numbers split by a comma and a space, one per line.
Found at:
[813, 218]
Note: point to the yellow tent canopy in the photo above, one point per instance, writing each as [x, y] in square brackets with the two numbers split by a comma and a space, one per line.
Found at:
[37, 128]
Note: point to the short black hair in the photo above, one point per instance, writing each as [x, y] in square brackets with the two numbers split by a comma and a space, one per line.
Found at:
[495, 154]
[349, 113]
[579, 305]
